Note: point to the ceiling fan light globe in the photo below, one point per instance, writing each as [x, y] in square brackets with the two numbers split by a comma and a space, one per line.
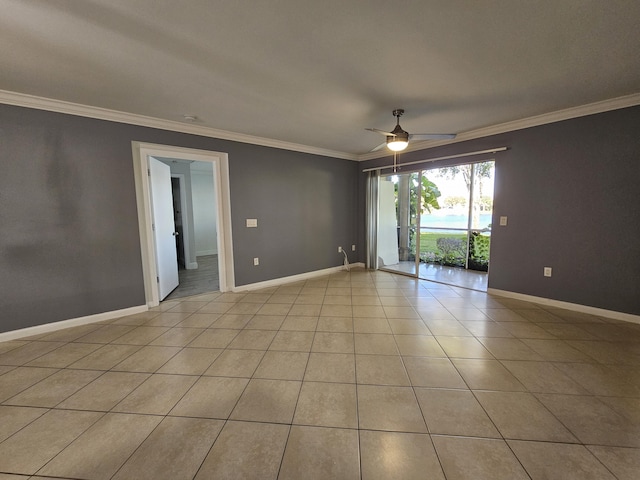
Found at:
[397, 145]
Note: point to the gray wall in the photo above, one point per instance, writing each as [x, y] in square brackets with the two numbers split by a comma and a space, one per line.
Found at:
[570, 191]
[69, 243]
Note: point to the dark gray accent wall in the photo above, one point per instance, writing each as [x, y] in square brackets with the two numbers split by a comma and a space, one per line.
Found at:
[69, 244]
[570, 191]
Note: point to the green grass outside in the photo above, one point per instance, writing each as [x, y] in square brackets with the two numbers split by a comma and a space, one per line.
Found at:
[428, 240]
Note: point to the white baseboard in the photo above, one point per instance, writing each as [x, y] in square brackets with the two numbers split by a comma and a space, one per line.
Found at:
[73, 322]
[576, 307]
[191, 266]
[276, 282]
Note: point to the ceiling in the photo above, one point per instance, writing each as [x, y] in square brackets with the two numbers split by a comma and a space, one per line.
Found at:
[317, 73]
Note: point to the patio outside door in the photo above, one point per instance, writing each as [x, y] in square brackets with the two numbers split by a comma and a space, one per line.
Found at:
[398, 223]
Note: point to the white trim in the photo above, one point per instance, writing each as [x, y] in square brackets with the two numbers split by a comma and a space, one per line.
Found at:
[191, 266]
[141, 152]
[552, 117]
[626, 317]
[73, 322]
[276, 282]
[60, 106]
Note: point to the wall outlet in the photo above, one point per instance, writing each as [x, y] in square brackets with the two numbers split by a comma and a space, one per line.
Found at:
[339, 249]
[547, 271]
[503, 221]
[252, 222]
[353, 248]
[256, 261]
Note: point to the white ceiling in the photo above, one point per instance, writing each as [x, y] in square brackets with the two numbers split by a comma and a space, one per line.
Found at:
[316, 73]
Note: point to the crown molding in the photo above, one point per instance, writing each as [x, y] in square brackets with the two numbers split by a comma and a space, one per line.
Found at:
[552, 117]
[60, 106]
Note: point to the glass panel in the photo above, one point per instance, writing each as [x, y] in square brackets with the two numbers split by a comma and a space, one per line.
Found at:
[398, 222]
[482, 208]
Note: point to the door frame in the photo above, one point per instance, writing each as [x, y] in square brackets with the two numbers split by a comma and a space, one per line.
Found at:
[141, 151]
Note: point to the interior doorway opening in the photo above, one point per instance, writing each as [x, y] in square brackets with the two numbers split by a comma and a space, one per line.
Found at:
[217, 163]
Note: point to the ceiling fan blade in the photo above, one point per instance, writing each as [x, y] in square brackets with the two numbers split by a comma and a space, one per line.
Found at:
[381, 132]
[379, 147]
[431, 136]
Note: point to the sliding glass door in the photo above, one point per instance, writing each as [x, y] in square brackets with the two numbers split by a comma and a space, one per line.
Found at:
[399, 222]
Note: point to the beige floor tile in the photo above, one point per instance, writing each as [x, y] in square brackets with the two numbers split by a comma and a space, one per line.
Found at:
[54, 389]
[433, 372]
[106, 357]
[104, 392]
[419, 346]
[268, 401]
[336, 310]
[100, 451]
[211, 397]
[599, 379]
[246, 450]
[292, 341]
[544, 460]
[188, 306]
[159, 459]
[106, 334]
[543, 377]
[11, 345]
[337, 300]
[567, 331]
[369, 311]
[375, 344]
[408, 326]
[305, 299]
[69, 334]
[401, 312]
[283, 298]
[157, 395]
[371, 300]
[433, 313]
[302, 322]
[33, 446]
[477, 459]
[321, 453]
[455, 412]
[627, 407]
[28, 352]
[609, 353]
[21, 378]
[503, 315]
[371, 325]
[389, 408]
[381, 370]
[447, 328]
[147, 360]
[327, 405]
[468, 314]
[282, 365]
[623, 462]
[13, 419]
[274, 309]
[236, 363]
[557, 351]
[256, 298]
[191, 361]
[591, 421]
[177, 337]
[167, 319]
[335, 324]
[253, 340]
[199, 320]
[233, 321]
[141, 335]
[463, 347]
[329, 342]
[486, 329]
[244, 309]
[509, 349]
[265, 322]
[395, 302]
[331, 367]
[480, 374]
[521, 416]
[215, 307]
[406, 456]
[214, 338]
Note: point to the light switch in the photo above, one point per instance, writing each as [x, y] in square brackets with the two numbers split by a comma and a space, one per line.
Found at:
[503, 221]
[252, 222]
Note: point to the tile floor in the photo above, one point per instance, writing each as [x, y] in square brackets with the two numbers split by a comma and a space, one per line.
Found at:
[356, 375]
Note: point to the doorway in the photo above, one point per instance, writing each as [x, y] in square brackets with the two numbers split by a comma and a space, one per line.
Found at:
[218, 161]
[436, 224]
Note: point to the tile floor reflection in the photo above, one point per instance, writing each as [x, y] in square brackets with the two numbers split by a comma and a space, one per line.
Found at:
[354, 375]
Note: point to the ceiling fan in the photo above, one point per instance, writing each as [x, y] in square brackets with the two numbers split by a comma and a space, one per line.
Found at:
[398, 139]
